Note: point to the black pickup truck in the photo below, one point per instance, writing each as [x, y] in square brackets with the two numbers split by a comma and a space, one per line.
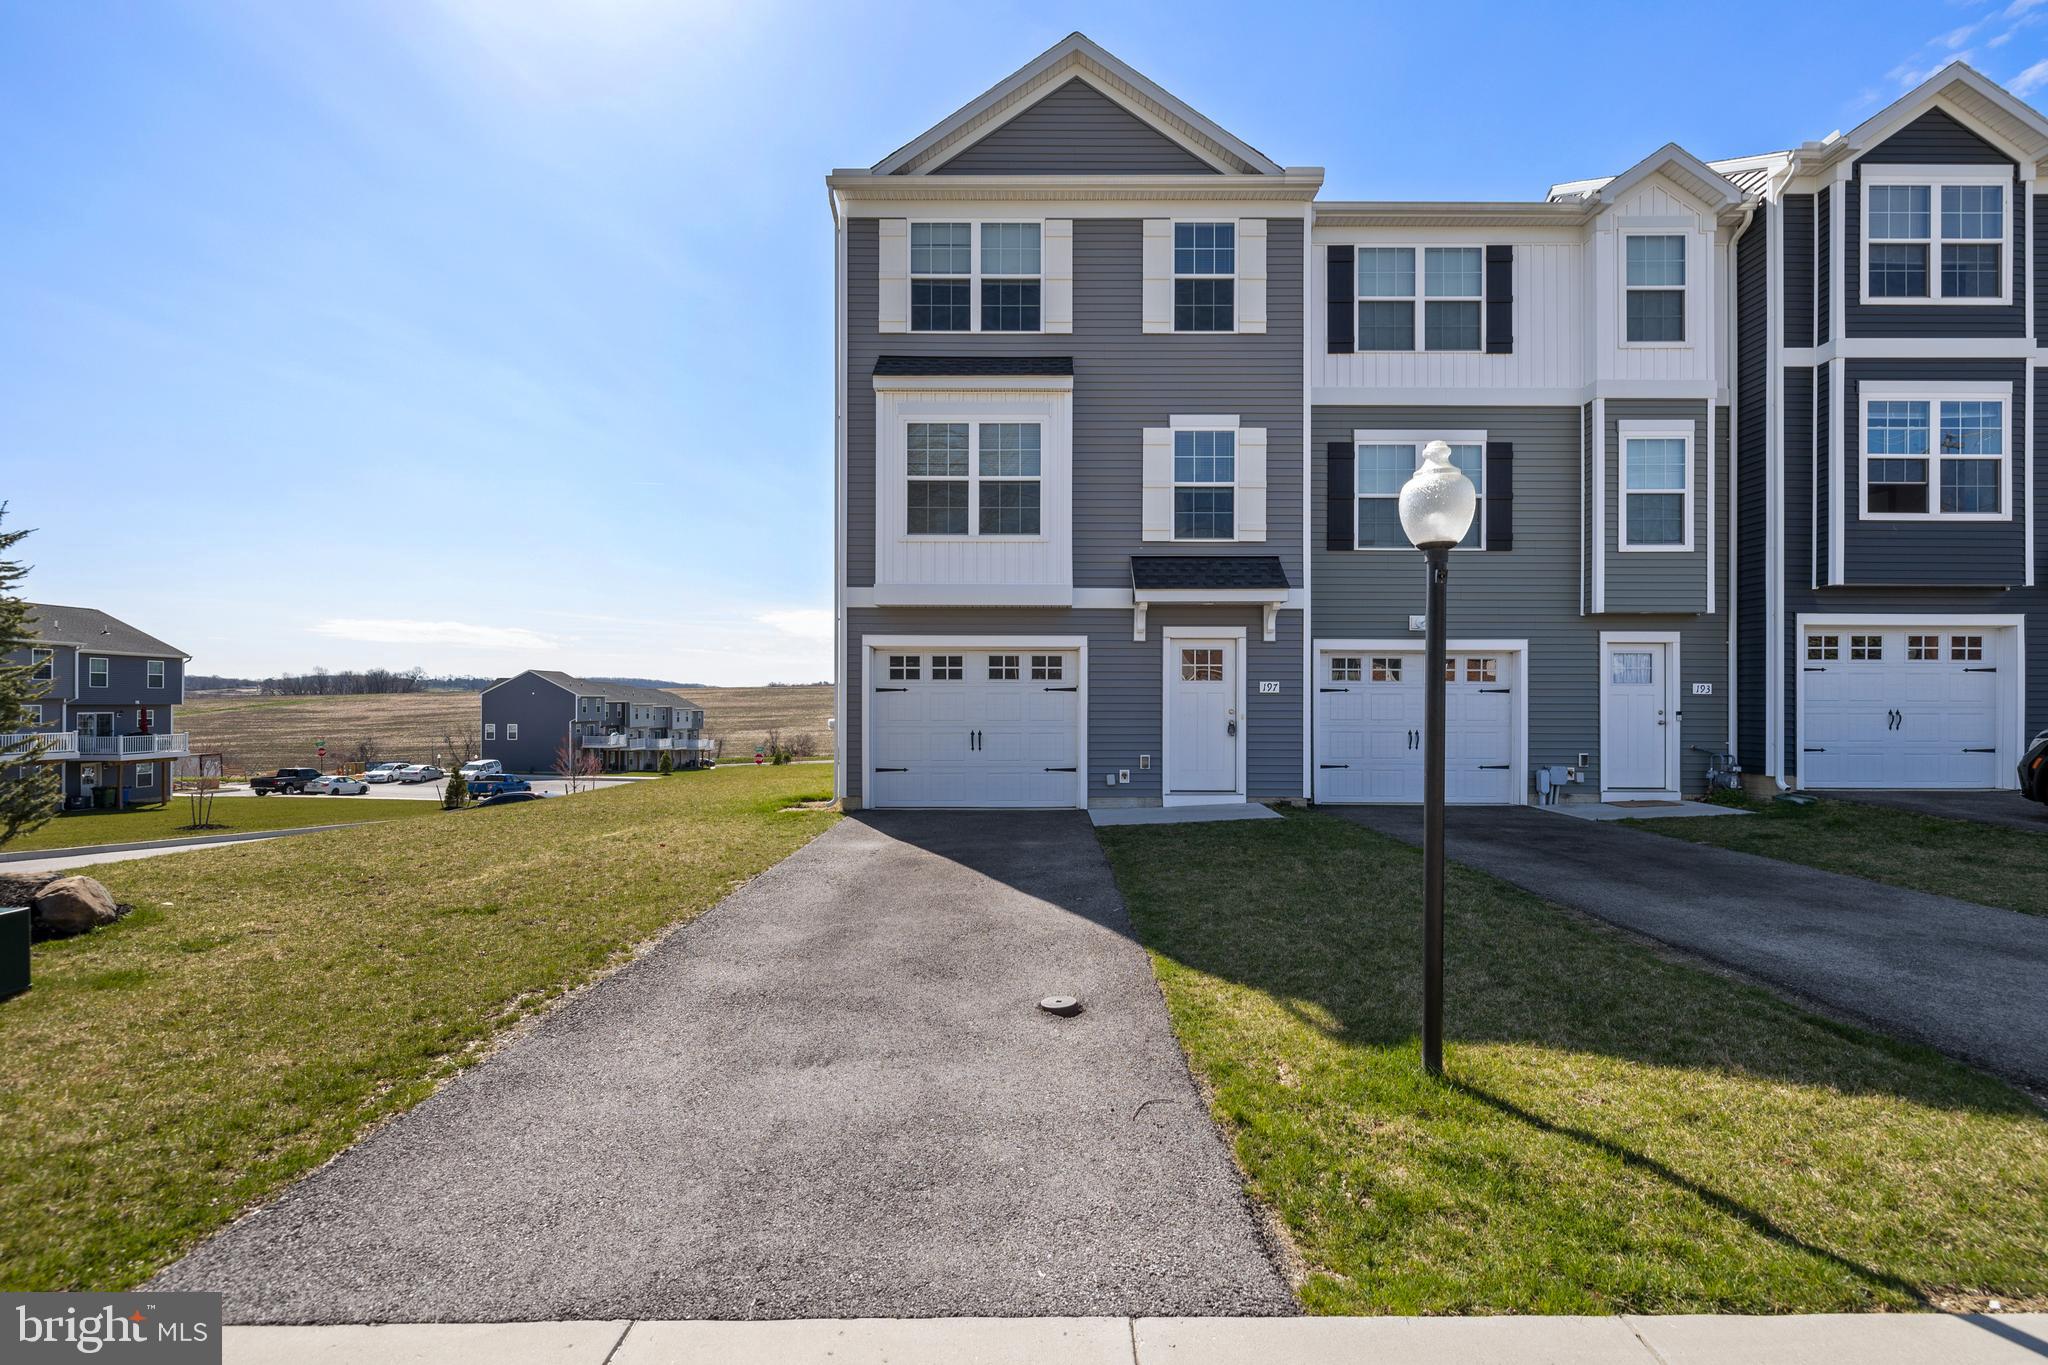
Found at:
[284, 781]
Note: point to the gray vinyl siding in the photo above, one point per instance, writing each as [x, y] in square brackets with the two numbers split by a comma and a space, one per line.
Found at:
[1124, 381]
[127, 682]
[1656, 581]
[1934, 553]
[1527, 593]
[1799, 267]
[1823, 266]
[1126, 687]
[542, 711]
[63, 671]
[1752, 390]
[1075, 130]
[1933, 139]
[1589, 541]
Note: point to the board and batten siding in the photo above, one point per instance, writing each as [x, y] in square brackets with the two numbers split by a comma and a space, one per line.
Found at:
[1126, 685]
[1661, 581]
[1125, 380]
[1075, 130]
[1527, 593]
[1933, 139]
[1659, 200]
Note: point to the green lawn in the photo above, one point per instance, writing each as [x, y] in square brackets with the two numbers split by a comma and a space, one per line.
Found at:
[1616, 1132]
[269, 1002]
[231, 815]
[1987, 864]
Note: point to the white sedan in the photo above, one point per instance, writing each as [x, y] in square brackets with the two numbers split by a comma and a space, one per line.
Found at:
[382, 772]
[334, 785]
[419, 772]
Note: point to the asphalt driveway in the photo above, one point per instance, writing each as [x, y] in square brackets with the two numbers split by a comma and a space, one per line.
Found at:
[1959, 977]
[2008, 809]
[831, 1096]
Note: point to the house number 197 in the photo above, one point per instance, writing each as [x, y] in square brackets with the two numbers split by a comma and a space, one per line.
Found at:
[1269, 687]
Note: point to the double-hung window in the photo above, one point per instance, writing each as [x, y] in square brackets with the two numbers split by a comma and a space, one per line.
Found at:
[1654, 286]
[1934, 454]
[1656, 488]
[1451, 299]
[972, 478]
[1938, 240]
[95, 672]
[1204, 277]
[41, 667]
[155, 674]
[1204, 485]
[1387, 459]
[976, 277]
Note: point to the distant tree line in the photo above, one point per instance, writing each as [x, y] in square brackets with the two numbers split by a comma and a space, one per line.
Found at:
[322, 682]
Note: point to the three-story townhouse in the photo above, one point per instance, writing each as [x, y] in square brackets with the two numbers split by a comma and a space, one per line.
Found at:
[105, 716]
[1070, 485]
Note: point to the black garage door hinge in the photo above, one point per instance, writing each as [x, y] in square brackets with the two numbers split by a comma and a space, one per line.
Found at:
[892, 689]
[1981, 751]
[1813, 751]
[1333, 689]
[1333, 765]
[1075, 688]
[1986, 669]
[1493, 767]
[1816, 670]
[892, 770]
[1503, 691]
[1063, 770]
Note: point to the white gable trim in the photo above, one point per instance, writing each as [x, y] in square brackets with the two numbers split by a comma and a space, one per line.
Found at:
[1687, 173]
[1973, 100]
[1076, 55]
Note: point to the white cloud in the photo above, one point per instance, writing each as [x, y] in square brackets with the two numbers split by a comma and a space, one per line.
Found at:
[452, 634]
[2030, 80]
[804, 623]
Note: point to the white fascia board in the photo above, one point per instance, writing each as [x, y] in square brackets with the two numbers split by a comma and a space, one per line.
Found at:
[971, 595]
[1912, 348]
[1211, 596]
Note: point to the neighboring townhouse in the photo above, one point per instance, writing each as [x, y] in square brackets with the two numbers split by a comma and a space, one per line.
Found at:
[1070, 458]
[106, 714]
[1086, 558]
[532, 719]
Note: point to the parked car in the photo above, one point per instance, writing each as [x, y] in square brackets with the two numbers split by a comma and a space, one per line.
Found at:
[2034, 770]
[383, 772]
[334, 784]
[481, 767]
[513, 798]
[284, 781]
[419, 772]
[497, 784]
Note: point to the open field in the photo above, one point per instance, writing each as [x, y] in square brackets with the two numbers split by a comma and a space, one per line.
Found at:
[1615, 1131]
[257, 734]
[231, 815]
[267, 1003]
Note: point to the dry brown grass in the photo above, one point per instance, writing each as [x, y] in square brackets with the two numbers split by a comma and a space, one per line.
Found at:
[258, 734]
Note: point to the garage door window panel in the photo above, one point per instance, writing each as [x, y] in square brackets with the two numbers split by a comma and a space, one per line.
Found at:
[1346, 668]
[1003, 668]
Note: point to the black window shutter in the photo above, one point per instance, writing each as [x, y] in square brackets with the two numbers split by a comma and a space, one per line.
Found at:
[1338, 517]
[1500, 300]
[1343, 314]
[1500, 495]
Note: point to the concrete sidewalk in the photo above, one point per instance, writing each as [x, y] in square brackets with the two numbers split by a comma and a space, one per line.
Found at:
[1876, 1339]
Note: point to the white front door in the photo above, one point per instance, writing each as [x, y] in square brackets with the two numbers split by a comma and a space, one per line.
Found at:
[1635, 752]
[1912, 706]
[1201, 717]
[988, 727]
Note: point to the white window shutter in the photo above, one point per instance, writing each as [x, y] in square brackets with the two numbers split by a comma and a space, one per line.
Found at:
[1157, 511]
[1158, 304]
[1251, 274]
[1251, 483]
[892, 294]
[1059, 275]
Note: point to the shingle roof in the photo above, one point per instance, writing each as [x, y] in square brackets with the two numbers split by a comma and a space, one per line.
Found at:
[89, 629]
[974, 364]
[1207, 571]
[620, 692]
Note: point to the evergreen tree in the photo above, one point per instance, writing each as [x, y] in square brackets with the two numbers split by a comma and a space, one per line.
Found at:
[30, 792]
[667, 765]
[457, 794]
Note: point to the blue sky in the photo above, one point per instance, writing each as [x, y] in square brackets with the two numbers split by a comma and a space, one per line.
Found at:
[484, 334]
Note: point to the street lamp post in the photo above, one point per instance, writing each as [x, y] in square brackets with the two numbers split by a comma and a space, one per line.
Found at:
[1436, 510]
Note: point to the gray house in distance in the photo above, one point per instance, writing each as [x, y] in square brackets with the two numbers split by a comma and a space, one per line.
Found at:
[528, 717]
[106, 711]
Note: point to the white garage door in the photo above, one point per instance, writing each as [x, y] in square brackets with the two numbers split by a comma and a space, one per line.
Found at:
[1902, 706]
[1368, 706]
[974, 727]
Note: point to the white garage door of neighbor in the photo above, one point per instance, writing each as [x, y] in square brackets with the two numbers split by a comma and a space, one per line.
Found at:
[995, 728]
[1913, 706]
[1368, 707]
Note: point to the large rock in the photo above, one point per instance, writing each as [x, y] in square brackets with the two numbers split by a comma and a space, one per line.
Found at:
[70, 906]
[19, 888]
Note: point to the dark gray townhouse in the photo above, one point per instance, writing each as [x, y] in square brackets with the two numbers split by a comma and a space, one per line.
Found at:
[1123, 409]
[530, 717]
[106, 713]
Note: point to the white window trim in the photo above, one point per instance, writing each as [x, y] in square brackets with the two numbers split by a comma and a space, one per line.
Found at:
[490, 730]
[1174, 274]
[1418, 439]
[154, 675]
[974, 277]
[1420, 298]
[1195, 424]
[1686, 231]
[1934, 177]
[1933, 394]
[511, 731]
[105, 670]
[145, 776]
[38, 661]
[974, 477]
[1653, 431]
[79, 726]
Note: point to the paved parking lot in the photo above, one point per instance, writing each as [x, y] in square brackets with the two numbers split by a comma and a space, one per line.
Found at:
[431, 791]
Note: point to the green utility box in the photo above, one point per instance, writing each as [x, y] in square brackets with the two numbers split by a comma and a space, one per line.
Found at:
[13, 950]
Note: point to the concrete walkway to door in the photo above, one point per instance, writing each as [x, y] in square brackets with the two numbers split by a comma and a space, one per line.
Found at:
[833, 1095]
[1960, 977]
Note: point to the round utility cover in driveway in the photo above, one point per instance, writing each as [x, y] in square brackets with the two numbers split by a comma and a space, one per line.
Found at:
[1064, 1005]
